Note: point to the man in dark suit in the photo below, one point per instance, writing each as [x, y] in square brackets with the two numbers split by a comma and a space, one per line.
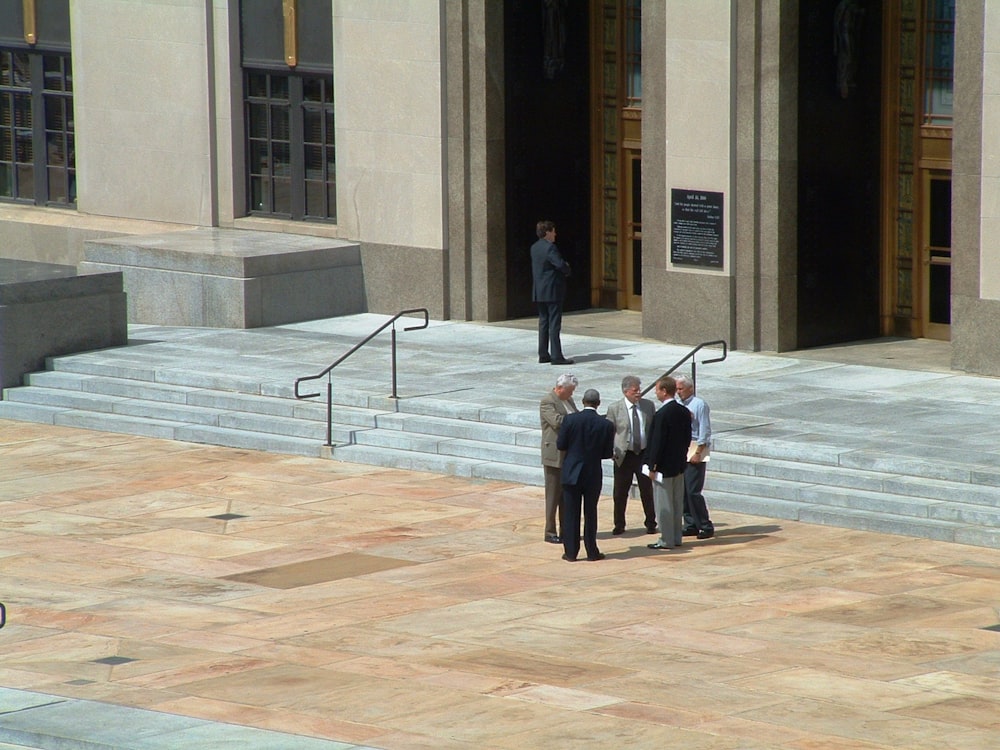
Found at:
[587, 438]
[669, 438]
[548, 274]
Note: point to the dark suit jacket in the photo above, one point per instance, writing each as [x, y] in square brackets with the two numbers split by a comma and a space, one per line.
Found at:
[587, 437]
[669, 439]
[548, 272]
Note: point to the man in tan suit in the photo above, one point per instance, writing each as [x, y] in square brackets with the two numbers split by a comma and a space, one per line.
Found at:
[555, 405]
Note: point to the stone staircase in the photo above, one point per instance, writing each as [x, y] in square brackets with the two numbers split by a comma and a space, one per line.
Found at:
[819, 481]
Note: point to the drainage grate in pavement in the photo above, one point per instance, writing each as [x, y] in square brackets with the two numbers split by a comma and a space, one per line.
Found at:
[113, 660]
[321, 570]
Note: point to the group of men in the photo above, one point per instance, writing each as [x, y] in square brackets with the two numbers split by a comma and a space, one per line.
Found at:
[663, 450]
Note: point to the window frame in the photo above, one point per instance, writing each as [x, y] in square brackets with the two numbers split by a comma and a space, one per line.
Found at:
[40, 99]
[263, 184]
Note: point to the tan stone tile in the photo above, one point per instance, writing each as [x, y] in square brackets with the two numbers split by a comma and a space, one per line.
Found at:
[496, 585]
[251, 489]
[695, 640]
[918, 644]
[795, 630]
[194, 543]
[591, 729]
[171, 614]
[754, 733]
[65, 571]
[885, 610]
[470, 682]
[604, 616]
[820, 742]
[981, 686]
[284, 601]
[490, 721]
[175, 563]
[561, 697]
[277, 720]
[194, 667]
[56, 523]
[290, 654]
[970, 590]
[850, 723]
[838, 658]
[212, 641]
[965, 711]
[842, 690]
[911, 582]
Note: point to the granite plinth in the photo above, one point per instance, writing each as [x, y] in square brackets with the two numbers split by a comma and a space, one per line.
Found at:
[47, 310]
[231, 278]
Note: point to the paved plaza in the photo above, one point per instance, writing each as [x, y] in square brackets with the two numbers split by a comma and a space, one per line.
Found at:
[258, 600]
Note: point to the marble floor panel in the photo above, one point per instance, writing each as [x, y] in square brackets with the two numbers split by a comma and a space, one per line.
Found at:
[404, 610]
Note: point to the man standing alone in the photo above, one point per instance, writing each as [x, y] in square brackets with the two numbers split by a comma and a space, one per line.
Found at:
[631, 417]
[587, 438]
[554, 407]
[669, 438]
[548, 274]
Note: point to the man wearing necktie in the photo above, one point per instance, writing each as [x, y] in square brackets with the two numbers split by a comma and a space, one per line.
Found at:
[631, 417]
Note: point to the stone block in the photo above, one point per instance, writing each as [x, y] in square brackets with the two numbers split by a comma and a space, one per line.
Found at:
[230, 278]
[47, 310]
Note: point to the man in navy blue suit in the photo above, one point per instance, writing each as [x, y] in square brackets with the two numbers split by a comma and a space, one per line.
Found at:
[587, 438]
[548, 289]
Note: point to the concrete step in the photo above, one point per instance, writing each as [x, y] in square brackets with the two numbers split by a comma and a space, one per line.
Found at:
[862, 520]
[814, 479]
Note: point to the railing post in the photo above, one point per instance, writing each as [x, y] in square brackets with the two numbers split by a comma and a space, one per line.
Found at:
[393, 395]
[329, 413]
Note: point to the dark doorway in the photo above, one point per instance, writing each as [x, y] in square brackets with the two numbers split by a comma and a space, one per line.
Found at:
[840, 52]
[547, 93]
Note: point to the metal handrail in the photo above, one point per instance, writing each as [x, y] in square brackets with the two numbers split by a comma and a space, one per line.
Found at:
[694, 364]
[329, 378]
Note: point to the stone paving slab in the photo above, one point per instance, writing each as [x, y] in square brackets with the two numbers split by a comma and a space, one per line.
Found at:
[141, 614]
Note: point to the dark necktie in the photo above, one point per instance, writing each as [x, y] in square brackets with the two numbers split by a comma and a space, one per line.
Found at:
[636, 430]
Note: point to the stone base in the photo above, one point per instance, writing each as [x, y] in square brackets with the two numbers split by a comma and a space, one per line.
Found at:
[47, 310]
[231, 278]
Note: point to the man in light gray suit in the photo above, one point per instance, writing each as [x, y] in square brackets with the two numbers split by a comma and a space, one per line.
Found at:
[631, 417]
[555, 405]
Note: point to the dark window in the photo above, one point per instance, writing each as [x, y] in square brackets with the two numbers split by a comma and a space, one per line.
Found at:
[939, 62]
[37, 162]
[290, 148]
[291, 164]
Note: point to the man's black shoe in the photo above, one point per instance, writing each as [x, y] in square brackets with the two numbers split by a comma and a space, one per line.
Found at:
[706, 533]
[618, 530]
[690, 531]
[567, 558]
[562, 361]
[652, 530]
[553, 539]
[598, 556]
[544, 360]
